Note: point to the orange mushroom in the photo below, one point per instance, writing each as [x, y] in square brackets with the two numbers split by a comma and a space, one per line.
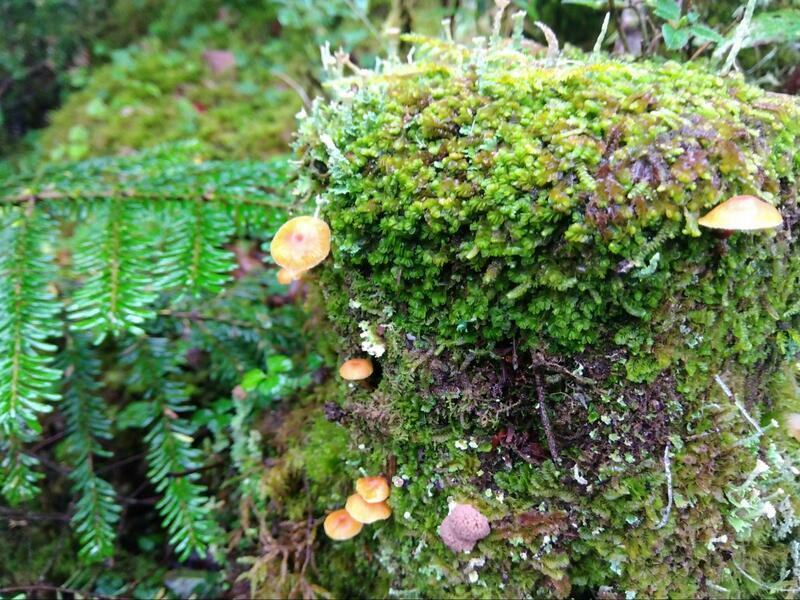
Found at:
[373, 489]
[339, 525]
[355, 369]
[301, 243]
[793, 425]
[742, 213]
[367, 512]
[286, 276]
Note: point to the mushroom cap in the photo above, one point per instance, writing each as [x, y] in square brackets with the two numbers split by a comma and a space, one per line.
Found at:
[301, 243]
[793, 425]
[367, 512]
[356, 368]
[287, 276]
[742, 213]
[339, 525]
[373, 489]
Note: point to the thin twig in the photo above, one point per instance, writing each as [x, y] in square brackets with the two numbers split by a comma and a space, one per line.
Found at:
[48, 441]
[727, 391]
[640, 13]
[700, 50]
[739, 36]
[540, 362]
[548, 429]
[119, 463]
[668, 471]
[298, 89]
[618, 25]
[766, 586]
[7, 513]
[365, 20]
[50, 464]
[219, 463]
[195, 316]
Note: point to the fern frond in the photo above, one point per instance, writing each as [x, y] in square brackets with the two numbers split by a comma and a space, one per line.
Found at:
[28, 321]
[18, 475]
[195, 260]
[170, 172]
[113, 257]
[185, 505]
[96, 511]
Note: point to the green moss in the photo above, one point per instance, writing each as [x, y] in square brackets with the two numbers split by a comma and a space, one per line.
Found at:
[505, 229]
[152, 94]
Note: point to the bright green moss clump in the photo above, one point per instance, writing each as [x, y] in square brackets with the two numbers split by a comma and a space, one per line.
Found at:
[152, 94]
[508, 231]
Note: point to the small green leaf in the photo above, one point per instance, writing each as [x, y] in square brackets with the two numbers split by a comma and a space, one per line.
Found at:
[669, 10]
[272, 384]
[706, 33]
[279, 364]
[675, 39]
[251, 379]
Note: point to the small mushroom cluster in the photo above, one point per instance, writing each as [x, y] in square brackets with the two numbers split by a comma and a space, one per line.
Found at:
[299, 245]
[367, 505]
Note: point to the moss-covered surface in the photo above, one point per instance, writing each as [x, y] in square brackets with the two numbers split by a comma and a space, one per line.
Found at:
[509, 232]
[154, 94]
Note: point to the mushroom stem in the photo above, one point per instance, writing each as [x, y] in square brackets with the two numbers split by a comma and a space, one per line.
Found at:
[548, 429]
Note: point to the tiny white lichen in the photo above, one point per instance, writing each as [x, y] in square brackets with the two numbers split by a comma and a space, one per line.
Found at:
[371, 341]
[578, 476]
[716, 540]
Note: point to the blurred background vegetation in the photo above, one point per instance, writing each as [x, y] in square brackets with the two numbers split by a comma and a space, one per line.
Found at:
[89, 78]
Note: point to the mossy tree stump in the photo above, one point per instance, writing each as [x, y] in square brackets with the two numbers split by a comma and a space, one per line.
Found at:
[558, 343]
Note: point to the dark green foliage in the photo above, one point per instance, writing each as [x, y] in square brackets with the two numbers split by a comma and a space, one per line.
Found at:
[88, 427]
[28, 321]
[116, 295]
[515, 239]
[90, 252]
[46, 45]
[173, 462]
[510, 230]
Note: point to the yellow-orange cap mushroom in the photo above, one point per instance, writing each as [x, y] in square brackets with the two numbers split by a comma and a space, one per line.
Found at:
[373, 489]
[287, 276]
[301, 243]
[793, 425]
[367, 512]
[339, 525]
[742, 213]
[355, 369]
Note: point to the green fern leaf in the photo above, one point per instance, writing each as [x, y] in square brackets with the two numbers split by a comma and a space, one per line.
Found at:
[185, 505]
[194, 258]
[113, 257]
[28, 321]
[96, 511]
